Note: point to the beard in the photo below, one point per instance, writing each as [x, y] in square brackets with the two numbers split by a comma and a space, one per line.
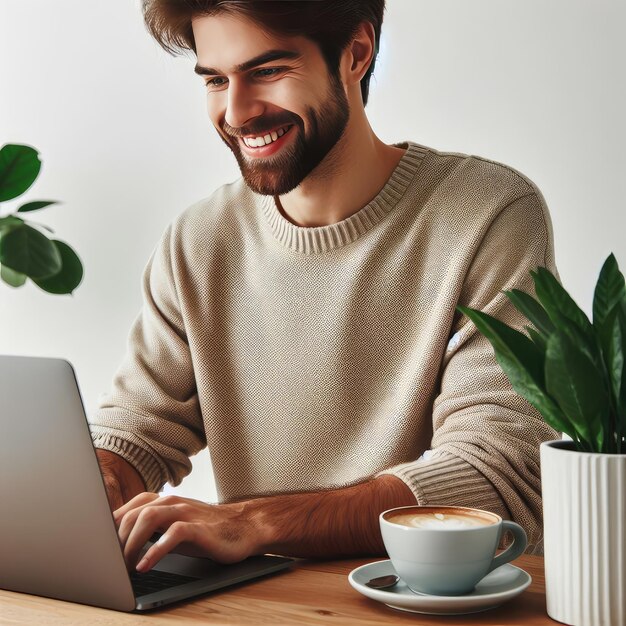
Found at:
[280, 174]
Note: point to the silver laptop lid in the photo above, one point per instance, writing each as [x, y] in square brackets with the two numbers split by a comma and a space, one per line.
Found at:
[71, 551]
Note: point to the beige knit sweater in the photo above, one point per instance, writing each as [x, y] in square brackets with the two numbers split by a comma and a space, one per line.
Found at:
[313, 358]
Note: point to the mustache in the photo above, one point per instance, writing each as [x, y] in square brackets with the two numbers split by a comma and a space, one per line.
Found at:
[261, 127]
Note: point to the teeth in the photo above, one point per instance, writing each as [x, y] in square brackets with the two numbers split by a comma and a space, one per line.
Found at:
[257, 142]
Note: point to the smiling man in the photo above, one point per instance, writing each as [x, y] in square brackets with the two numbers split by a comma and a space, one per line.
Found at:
[301, 322]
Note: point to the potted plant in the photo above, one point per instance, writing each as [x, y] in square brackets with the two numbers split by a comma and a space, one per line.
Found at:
[25, 250]
[572, 371]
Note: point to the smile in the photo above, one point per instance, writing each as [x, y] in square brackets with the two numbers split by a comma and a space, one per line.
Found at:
[264, 140]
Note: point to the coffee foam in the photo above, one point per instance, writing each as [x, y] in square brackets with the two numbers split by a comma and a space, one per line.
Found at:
[443, 520]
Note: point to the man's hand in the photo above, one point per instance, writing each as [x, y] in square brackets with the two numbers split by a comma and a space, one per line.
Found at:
[221, 532]
[121, 479]
[329, 524]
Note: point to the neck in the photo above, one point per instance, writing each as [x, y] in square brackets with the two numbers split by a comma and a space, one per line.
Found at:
[351, 175]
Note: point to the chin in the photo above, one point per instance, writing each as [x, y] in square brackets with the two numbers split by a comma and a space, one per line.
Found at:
[269, 188]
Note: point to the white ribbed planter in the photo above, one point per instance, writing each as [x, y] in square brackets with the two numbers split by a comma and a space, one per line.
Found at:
[584, 517]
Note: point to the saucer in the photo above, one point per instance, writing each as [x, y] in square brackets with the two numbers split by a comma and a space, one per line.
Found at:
[504, 583]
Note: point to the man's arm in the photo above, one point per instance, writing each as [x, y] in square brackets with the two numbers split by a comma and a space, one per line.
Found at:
[486, 437]
[121, 480]
[151, 416]
[329, 524]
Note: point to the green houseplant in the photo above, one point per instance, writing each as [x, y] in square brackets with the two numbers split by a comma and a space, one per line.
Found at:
[572, 371]
[25, 249]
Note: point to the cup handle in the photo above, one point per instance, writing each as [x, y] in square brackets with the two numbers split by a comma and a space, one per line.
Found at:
[520, 541]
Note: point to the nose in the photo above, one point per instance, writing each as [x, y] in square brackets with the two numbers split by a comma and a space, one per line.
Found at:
[243, 104]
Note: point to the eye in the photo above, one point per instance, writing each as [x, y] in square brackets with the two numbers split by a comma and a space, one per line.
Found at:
[218, 81]
[267, 72]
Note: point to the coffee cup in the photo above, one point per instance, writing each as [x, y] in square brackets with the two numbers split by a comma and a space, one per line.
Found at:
[446, 550]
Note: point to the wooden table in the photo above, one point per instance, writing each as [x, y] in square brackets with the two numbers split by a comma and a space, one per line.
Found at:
[312, 592]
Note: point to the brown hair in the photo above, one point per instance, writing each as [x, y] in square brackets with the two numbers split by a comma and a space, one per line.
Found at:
[331, 24]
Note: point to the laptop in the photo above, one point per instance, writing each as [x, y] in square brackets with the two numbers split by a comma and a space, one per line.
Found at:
[57, 535]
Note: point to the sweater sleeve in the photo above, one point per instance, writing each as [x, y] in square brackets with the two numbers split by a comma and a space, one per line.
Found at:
[151, 415]
[485, 445]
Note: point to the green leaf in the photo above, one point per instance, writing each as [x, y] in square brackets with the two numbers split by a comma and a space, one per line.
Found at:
[529, 307]
[29, 252]
[609, 296]
[566, 316]
[35, 206]
[69, 277]
[508, 341]
[19, 167]
[586, 339]
[9, 223]
[610, 289]
[522, 362]
[620, 399]
[615, 356]
[556, 301]
[15, 279]
[575, 383]
[538, 339]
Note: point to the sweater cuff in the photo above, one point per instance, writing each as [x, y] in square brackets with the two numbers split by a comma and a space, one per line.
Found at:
[131, 449]
[445, 479]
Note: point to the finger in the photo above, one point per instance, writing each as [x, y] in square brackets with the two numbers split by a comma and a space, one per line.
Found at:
[131, 518]
[139, 500]
[148, 520]
[176, 534]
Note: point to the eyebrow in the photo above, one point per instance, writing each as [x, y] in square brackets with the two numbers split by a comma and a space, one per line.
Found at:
[265, 57]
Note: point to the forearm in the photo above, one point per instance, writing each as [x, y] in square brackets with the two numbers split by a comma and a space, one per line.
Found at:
[327, 524]
[121, 479]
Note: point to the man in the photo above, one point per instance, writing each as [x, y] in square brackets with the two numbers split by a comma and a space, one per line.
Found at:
[301, 321]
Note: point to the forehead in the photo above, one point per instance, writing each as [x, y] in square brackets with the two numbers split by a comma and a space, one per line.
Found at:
[224, 41]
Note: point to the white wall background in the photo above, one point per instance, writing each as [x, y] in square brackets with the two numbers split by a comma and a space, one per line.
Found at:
[126, 142]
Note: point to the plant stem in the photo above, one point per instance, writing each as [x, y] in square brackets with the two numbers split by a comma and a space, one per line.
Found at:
[581, 444]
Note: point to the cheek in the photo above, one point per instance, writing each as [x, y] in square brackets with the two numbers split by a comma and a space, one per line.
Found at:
[215, 106]
[295, 96]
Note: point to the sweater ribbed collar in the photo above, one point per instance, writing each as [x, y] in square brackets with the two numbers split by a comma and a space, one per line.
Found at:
[311, 240]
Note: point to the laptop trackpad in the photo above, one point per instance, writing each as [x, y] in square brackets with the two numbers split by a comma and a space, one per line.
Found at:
[206, 568]
[188, 565]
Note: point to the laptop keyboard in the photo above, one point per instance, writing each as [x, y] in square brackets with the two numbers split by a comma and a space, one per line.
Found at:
[155, 580]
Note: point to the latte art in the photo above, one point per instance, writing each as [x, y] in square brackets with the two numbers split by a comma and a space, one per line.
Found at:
[438, 521]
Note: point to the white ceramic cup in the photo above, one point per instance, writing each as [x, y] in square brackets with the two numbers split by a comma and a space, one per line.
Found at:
[448, 558]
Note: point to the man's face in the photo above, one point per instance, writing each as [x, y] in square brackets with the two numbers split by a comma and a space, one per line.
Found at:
[271, 100]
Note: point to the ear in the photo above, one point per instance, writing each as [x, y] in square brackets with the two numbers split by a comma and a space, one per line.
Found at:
[359, 53]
